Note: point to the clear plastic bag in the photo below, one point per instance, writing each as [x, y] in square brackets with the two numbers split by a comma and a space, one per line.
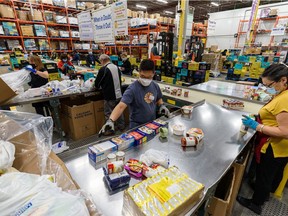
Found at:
[7, 151]
[16, 79]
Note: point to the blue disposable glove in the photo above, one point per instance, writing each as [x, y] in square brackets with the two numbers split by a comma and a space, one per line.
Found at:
[65, 65]
[30, 68]
[249, 122]
[70, 67]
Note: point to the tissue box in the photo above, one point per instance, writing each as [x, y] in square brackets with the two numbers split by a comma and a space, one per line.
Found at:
[153, 127]
[139, 138]
[145, 131]
[99, 152]
[124, 141]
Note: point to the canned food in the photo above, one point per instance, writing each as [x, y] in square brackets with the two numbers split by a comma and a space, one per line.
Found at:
[120, 156]
[111, 157]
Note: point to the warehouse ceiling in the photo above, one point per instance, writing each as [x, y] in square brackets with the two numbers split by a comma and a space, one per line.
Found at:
[202, 8]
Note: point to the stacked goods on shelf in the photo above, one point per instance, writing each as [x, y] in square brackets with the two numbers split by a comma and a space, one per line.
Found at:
[35, 15]
[30, 44]
[10, 29]
[63, 45]
[40, 30]
[6, 11]
[27, 30]
[43, 44]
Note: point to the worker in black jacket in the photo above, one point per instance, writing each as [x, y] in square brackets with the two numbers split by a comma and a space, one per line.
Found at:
[109, 79]
[125, 68]
[91, 59]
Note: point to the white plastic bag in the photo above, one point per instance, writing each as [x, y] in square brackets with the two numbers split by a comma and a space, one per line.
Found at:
[16, 79]
[153, 156]
[29, 194]
[7, 152]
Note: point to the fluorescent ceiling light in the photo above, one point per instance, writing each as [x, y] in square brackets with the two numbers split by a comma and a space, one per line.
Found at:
[215, 4]
[169, 12]
[141, 6]
[163, 1]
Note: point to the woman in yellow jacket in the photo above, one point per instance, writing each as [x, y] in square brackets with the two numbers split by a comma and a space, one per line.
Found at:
[273, 152]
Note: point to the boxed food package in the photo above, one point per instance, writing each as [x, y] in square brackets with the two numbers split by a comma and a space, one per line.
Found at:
[12, 43]
[153, 127]
[53, 32]
[43, 44]
[27, 30]
[60, 19]
[80, 118]
[64, 34]
[145, 131]
[30, 44]
[99, 152]
[10, 28]
[71, 3]
[6, 11]
[116, 181]
[63, 45]
[73, 20]
[160, 123]
[60, 3]
[36, 15]
[49, 16]
[75, 34]
[155, 194]
[23, 15]
[40, 30]
[78, 46]
[124, 141]
[139, 138]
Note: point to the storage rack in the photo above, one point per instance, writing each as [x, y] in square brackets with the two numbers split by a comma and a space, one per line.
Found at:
[136, 32]
[200, 30]
[15, 4]
[242, 32]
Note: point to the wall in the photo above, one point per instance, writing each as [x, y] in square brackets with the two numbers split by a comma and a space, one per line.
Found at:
[227, 23]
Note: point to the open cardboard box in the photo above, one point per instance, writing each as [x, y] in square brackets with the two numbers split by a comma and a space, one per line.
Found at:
[8, 93]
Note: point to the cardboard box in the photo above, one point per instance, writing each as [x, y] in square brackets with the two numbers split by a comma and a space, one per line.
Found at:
[221, 200]
[9, 93]
[98, 107]
[60, 3]
[99, 152]
[50, 2]
[23, 15]
[64, 34]
[27, 30]
[60, 19]
[81, 119]
[10, 29]
[73, 20]
[124, 141]
[214, 48]
[37, 16]
[53, 33]
[54, 45]
[71, 3]
[63, 45]
[40, 30]
[49, 16]
[239, 167]
[75, 34]
[6, 11]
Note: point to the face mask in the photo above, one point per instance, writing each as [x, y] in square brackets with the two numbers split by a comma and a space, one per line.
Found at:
[144, 82]
[124, 59]
[272, 91]
[64, 60]
[90, 52]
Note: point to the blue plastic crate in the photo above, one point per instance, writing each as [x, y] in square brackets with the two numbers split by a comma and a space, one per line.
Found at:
[238, 66]
[265, 64]
[243, 59]
[120, 63]
[114, 58]
[180, 64]
[231, 57]
[87, 76]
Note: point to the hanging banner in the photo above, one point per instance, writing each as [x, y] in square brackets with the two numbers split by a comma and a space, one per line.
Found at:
[278, 31]
[102, 25]
[85, 26]
[120, 18]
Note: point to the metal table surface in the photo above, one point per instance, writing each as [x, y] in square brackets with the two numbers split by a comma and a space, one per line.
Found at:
[223, 88]
[206, 164]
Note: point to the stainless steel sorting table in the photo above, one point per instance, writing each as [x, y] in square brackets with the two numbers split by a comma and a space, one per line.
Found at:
[206, 164]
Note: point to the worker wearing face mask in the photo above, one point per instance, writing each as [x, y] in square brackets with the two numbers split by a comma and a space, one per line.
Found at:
[143, 97]
[64, 65]
[125, 68]
[91, 59]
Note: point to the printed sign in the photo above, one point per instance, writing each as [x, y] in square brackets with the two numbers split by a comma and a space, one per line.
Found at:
[211, 26]
[102, 25]
[278, 31]
[120, 18]
[85, 26]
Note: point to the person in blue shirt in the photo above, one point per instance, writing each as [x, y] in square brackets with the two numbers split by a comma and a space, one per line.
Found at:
[91, 59]
[142, 97]
[76, 56]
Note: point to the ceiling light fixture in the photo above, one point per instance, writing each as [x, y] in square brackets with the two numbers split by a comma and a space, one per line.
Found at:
[168, 12]
[141, 6]
[215, 4]
[163, 1]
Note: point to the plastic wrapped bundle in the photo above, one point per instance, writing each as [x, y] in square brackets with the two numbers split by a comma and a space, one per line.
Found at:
[15, 80]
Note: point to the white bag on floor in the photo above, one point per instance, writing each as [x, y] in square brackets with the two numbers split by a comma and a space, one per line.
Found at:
[7, 152]
[29, 194]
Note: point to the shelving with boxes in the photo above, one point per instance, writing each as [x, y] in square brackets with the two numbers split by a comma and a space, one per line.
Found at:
[200, 30]
[38, 26]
